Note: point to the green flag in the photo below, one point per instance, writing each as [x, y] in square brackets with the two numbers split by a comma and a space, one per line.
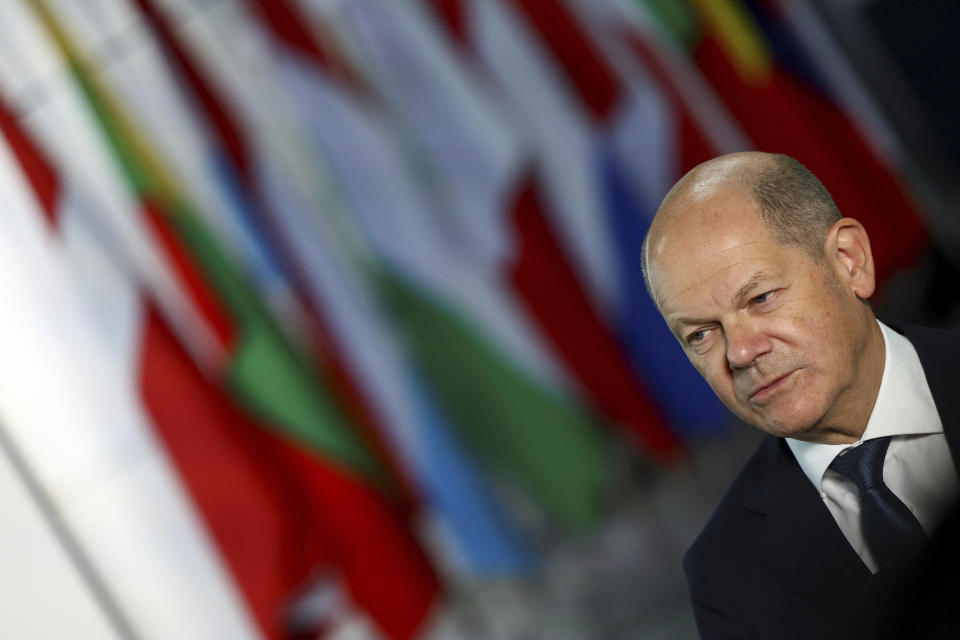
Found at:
[274, 381]
[520, 427]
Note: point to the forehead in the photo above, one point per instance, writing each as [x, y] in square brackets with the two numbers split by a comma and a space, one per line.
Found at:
[711, 249]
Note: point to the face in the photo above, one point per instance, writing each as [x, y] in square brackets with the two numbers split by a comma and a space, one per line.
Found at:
[782, 338]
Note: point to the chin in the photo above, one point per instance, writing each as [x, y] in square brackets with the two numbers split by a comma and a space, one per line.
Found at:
[796, 431]
[794, 424]
[790, 417]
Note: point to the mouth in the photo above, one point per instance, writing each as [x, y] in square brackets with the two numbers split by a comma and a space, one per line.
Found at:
[761, 394]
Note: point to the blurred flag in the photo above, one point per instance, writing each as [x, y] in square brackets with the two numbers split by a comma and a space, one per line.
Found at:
[277, 386]
[232, 167]
[588, 127]
[747, 51]
[460, 328]
[98, 459]
[644, 45]
[460, 132]
[484, 540]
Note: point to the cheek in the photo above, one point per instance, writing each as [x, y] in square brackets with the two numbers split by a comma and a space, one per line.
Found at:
[824, 341]
[715, 371]
[809, 333]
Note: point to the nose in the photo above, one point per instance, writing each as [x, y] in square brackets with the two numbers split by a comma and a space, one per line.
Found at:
[745, 343]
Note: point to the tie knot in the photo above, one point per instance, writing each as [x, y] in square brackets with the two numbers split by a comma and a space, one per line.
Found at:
[863, 465]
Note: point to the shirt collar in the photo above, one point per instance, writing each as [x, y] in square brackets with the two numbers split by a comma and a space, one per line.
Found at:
[904, 406]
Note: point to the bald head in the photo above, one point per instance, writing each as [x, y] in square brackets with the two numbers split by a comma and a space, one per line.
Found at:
[787, 198]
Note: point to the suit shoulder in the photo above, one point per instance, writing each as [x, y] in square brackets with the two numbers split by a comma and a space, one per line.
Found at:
[937, 348]
[732, 529]
[939, 352]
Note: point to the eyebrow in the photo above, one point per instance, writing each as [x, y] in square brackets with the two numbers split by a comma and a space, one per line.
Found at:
[676, 323]
[745, 290]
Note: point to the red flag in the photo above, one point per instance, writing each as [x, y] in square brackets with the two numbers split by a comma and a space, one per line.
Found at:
[783, 112]
[228, 136]
[540, 271]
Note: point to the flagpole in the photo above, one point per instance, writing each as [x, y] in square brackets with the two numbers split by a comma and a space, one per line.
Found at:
[117, 619]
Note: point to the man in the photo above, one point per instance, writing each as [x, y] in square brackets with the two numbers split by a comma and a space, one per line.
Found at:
[765, 286]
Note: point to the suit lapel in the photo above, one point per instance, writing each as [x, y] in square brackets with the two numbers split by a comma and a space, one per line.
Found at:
[800, 543]
[799, 540]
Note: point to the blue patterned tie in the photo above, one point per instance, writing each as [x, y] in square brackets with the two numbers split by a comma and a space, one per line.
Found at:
[889, 528]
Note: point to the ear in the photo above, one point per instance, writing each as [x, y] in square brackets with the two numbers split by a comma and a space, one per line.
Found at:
[848, 249]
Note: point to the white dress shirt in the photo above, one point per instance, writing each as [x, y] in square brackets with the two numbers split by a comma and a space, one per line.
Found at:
[918, 467]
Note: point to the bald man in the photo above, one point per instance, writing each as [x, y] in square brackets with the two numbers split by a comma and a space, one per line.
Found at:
[765, 285]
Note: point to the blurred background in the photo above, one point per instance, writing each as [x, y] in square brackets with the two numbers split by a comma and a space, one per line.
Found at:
[324, 318]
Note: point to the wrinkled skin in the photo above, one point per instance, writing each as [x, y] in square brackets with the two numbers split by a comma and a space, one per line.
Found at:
[785, 340]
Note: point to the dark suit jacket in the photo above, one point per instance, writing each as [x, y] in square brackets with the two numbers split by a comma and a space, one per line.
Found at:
[772, 562]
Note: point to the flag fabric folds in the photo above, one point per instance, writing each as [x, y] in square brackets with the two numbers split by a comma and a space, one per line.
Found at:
[460, 327]
[323, 317]
[543, 57]
[758, 67]
[405, 409]
[119, 452]
[277, 387]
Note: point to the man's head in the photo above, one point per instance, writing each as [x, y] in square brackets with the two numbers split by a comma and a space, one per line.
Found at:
[764, 284]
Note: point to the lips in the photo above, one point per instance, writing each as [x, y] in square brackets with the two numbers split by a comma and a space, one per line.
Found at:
[764, 392]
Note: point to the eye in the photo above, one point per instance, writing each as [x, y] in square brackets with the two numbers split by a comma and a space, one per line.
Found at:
[696, 337]
[763, 297]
